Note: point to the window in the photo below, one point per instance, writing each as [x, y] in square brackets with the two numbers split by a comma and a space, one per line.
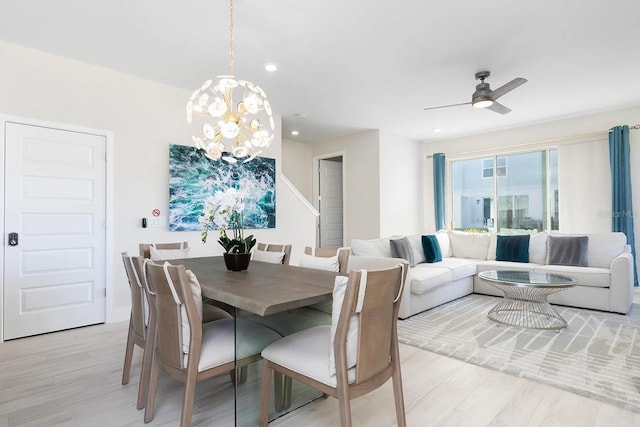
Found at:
[526, 198]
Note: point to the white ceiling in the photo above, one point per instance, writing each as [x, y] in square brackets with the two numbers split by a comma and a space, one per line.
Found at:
[354, 65]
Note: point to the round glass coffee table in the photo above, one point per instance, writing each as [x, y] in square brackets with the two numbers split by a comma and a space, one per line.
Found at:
[525, 298]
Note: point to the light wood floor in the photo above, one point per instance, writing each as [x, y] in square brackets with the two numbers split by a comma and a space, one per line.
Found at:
[72, 378]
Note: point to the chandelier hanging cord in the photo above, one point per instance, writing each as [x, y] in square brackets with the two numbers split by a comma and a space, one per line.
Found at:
[231, 38]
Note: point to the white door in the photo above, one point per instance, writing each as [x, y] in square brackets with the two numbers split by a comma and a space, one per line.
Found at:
[55, 203]
[331, 203]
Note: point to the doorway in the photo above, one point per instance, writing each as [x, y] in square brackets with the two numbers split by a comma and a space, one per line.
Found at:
[330, 203]
[54, 254]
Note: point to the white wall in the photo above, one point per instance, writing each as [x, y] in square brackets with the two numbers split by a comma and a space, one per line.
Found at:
[361, 182]
[401, 185]
[144, 116]
[297, 165]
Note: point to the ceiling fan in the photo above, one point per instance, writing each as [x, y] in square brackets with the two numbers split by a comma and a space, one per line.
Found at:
[484, 97]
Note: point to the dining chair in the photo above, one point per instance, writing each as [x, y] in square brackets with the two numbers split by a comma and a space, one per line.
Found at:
[188, 350]
[141, 325]
[138, 325]
[356, 354]
[275, 254]
[164, 251]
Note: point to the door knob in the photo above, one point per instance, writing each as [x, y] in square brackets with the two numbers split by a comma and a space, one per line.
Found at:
[13, 239]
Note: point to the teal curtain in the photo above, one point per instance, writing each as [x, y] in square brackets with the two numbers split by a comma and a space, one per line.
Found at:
[438, 189]
[622, 207]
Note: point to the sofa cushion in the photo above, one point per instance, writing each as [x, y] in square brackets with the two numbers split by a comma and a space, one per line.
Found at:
[460, 267]
[371, 247]
[512, 248]
[586, 276]
[505, 265]
[567, 250]
[424, 277]
[431, 248]
[469, 245]
[604, 247]
[401, 248]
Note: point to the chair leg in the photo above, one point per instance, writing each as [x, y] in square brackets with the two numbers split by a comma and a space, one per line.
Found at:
[128, 355]
[145, 373]
[398, 397]
[189, 395]
[278, 391]
[266, 390]
[239, 375]
[151, 392]
[286, 392]
[345, 410]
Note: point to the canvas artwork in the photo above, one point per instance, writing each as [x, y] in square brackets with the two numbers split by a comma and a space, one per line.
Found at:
[193, 177]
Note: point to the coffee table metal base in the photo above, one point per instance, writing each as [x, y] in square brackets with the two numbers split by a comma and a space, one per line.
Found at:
[526, 307]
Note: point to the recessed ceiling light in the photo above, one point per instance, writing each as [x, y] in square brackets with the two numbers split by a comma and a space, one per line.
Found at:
[295, 133]
[270, 66]
[437, 130]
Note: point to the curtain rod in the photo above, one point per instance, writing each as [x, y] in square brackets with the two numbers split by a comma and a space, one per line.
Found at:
[559, 139]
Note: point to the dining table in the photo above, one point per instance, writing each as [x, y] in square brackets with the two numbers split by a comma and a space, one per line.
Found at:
[264, 289]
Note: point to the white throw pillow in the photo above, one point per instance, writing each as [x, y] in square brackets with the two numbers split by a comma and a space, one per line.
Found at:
[320, 263]
[417, 251]
[538, 248]
[267, 256]
[164, 254]
[445, 244]
[372, 247]
[469, 245]
[339, 290]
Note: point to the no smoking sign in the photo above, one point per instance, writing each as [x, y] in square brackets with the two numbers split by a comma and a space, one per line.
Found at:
[155, 212]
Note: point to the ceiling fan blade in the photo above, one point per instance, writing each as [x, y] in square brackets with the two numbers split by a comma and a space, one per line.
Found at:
[508, 87]
[447, 106]
[499, 108]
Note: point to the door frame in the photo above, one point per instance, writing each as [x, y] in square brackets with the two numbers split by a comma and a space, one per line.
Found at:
[108, 261]
[316, 190]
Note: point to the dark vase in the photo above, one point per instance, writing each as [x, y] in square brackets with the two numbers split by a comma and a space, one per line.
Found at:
[237, 262]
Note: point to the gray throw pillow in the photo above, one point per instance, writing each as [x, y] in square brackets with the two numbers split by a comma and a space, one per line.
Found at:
[567, 250]
[401, 248]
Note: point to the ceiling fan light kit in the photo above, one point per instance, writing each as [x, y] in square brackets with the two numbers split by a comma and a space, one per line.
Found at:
[484, 97]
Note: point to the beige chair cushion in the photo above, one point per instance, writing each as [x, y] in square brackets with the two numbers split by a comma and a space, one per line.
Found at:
[219, 343]
[165, 254]
[197, 299]
[268, 256]
[339, 290]
[306, 352]
[320, 263]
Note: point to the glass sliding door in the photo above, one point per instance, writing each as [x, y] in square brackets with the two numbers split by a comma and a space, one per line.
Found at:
[507, 193]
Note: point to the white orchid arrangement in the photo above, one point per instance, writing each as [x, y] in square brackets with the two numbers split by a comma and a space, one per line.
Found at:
[224, 211]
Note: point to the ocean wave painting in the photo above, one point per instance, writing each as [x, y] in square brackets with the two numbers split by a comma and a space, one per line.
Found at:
[193, 177]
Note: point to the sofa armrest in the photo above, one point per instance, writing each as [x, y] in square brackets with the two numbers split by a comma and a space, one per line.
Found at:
[621, 287]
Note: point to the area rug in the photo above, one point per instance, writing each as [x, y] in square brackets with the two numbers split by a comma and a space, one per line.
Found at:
[597, 355]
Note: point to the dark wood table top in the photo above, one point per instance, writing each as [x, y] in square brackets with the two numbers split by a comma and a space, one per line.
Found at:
[263, 288]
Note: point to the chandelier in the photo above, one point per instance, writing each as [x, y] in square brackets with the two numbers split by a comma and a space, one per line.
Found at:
[234, 117]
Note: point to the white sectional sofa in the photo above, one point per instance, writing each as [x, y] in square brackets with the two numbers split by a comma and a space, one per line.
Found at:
[604, 283]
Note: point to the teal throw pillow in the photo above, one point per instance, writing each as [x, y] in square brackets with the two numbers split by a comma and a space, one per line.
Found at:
[512, 248]
[431, 248]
